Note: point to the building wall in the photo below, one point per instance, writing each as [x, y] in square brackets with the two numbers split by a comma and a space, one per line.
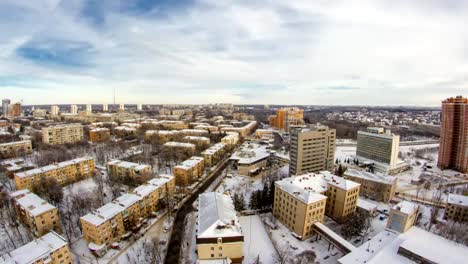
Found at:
[312, 151]
[341, 203]
[244, 169]
[453, 151]
[378, 191]
[297, 215]
[400, 221]
[107, 233]
[99, 135]
[62, 134]
[378, 147]
[456, 213]
[233, 250]
[64, 175]
[15, 149]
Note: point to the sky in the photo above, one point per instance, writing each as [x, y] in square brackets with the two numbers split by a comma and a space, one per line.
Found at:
[321, 52]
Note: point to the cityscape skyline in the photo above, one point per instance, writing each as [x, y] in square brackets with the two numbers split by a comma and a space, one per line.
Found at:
[159, 52]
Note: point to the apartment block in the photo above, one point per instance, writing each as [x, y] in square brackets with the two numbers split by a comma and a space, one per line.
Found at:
[377, 145]
[180, 146]
[403, 216]
[197, 141]
[119, 168]
[374, 186]
[287, 117]
[453, 151]
[312, 149]
[219, 235]
[64, 172]
[243, 131]
[231, 139]
[97, 135]
[194, 132]
[300, 201]
[16, 109]
[116, 220]
[62, 134]
[35, 213]
[251, 158]
[54, 110]
[48, 249]
[15, 149]
[189, 171]
[214, 154]
[457, 208]
[162, 136]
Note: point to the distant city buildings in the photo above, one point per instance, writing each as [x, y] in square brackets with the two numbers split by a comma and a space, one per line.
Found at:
[74, 109]
[453, 150]
[16, 110]
[89, 108]
[287, 117]
[105, 108]
[5, 106]
[312, 149]
[54, 110]
[219, 235]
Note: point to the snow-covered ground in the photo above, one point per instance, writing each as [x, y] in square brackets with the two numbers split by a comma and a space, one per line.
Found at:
[257, 243]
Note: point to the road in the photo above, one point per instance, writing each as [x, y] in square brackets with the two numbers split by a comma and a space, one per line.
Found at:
[174, 247]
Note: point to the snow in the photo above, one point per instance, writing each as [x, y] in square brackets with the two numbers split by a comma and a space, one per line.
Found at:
[190, 163]
[334, 236]
[213, 149]
[145, 190]
[457, 199]
[35, 250]
[406, 207]
[256, 240]
[250, 153]
[34, 204]
[15, 143]
[309, 187]
[127, 200]
[60, 165]
[103, 214]
[179, 144]
[161, 180]
[366, 205]
[370, 176]
[128, 165]
[217, 217]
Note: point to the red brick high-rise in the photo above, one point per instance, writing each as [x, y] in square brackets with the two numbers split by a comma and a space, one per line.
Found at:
[453, 151]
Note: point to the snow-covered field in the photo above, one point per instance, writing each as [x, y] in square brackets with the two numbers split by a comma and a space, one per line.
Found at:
[257, 243]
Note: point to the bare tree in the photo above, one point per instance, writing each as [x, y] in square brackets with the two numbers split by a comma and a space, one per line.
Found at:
[284, 255]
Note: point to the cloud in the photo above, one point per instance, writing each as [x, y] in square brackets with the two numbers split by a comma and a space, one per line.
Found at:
[201, 51]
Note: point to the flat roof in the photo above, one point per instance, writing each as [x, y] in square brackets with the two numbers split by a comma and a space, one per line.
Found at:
[386, 179]
[34, 204]
[457, 199]
[30, 173]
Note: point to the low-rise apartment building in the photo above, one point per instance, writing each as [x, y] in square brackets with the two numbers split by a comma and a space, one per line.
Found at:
[48, 249]
[457, 208]
[189, 171]
[119, 168]
[97, 135]
[64, 172]
[231, 138]
[219, 235]
[197, 141]
[180, 146]
[251, 158]
[62, 134]
[374, 186]
[300, 201]
[213, 154]
[15, 149]
[37, 214]
[115, 221]
[403, 216]
[162, 136]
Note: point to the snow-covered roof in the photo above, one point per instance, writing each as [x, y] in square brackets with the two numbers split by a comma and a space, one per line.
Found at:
[162, 132]
[127, 200]
[102, 214]
[99, 129]
[30, 173]
[366, 205]
[250, 153]
[161, 180]
[406, 207]
[215, 148]
[190, 163]
[217, 217]
[14, 143]
[310, 187]
[34, 250]
[145, 190]
[370, 176]
[179, 144]
[383, 248]
[460, 200]
[195, 138]
[128, 165]
[34, 204]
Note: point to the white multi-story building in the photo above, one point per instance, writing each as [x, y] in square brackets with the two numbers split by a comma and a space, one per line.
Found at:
[54, 110]
[74, 109]
[105, 107]
[89, 108]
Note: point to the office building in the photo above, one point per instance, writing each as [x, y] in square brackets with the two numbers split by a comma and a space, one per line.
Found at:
[105, 108]
[231, 139]
[121, 107]
[35, 213]
[379, 147]
[15, 149]
[377, 187]
[457, 208]
[219, 235]
[403, 216]
[48, 249]
[64, 172]
[62, 134]
[312, 149]
[287, 117]
[300, 201]
[189, 171]
[453, 150]
[89, 109]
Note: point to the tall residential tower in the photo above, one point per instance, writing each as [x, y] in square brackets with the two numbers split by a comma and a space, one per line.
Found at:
[453, 151]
